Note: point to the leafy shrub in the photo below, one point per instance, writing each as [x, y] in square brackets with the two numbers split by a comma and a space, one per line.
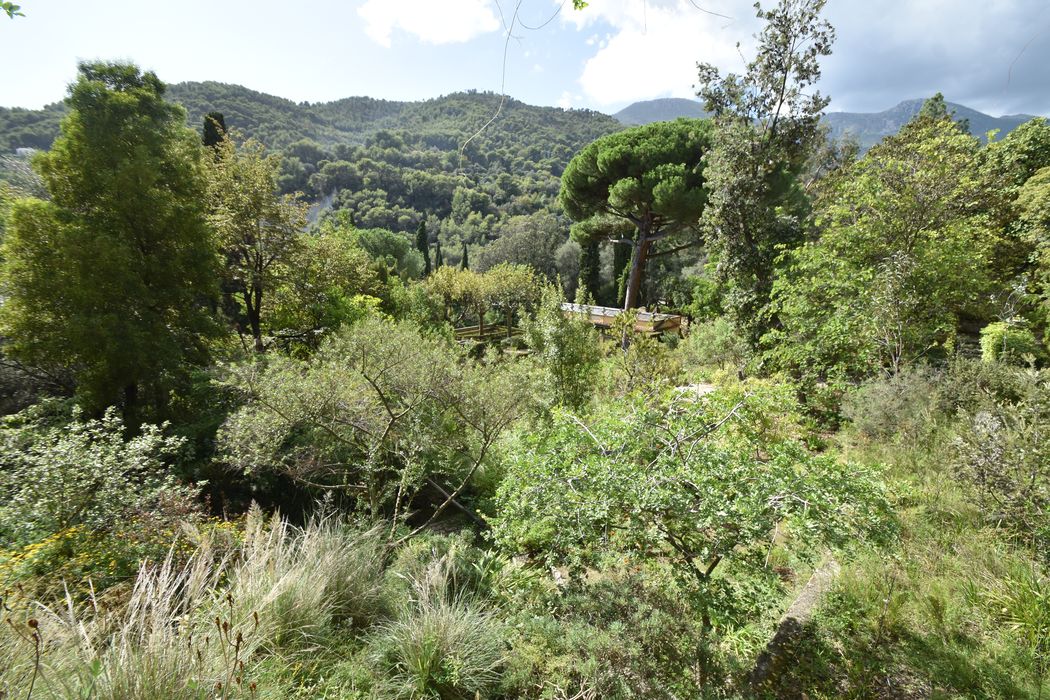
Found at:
[900, 407]
[381, 412]
[1004, 451]
[1008, 342]
[639, 363]
[715, 343]
[568, 351]
[697, 482]
[85, 472]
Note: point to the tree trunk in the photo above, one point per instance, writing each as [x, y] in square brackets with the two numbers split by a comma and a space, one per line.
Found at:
[254, 307]
[638, 261]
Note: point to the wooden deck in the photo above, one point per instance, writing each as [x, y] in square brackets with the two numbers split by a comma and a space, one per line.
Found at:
[646, 321]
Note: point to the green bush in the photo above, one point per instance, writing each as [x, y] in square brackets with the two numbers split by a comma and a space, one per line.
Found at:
[715, 343]
[567, 349]
[1004, 452]
[59, 473]
[697, 482]
[904, 407]
[1008, 342]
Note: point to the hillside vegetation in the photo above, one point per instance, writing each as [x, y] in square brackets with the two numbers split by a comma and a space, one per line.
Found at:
[317, 422]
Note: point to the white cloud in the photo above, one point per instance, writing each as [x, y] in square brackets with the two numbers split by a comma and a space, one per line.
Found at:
[568, 100]
[431, 21]
[655, 45]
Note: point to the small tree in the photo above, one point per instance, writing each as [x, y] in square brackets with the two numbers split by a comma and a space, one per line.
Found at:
[258, 229]
[697, 482]
[382, 413]
[568, 349]
[767, 125]
[513, 289]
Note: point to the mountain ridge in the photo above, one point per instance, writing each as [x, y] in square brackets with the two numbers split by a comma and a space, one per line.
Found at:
[868, 128]
[278, 121]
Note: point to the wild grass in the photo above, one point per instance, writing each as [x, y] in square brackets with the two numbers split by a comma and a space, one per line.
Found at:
[287, 612]
[196, 630]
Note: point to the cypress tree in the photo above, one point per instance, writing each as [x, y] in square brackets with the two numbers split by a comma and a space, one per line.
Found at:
[439, 260]
[423, 246]
[214, 129]
[465, 264]
[590, 278]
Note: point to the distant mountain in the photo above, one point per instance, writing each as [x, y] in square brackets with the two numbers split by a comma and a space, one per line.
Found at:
[277, 122]
[660, 110]
[868, 128]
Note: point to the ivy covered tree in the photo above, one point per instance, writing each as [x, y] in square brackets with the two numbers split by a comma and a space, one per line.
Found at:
[649, 177]
[767, 125]
[113, 278]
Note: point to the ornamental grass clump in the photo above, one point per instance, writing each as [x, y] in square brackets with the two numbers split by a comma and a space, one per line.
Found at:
[199, 629]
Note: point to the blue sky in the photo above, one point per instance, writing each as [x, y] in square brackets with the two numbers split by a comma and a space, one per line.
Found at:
[992, 55]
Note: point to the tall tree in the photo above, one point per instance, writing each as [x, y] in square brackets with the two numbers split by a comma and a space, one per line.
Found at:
[214, 129]
[903, 253]
[650, 177]
[439, 259]
[464, 262]
[590, 268]
[767, 124]
[423, 246]
[111, 279]
[258, 229]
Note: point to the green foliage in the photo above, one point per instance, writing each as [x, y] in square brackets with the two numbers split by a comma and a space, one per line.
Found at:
[567, 350]
[56, 476]
[766, 126]
[328, 281]
[214, 130]
[12, 10]
[531, 240]
[1003, 452]
[423, 246]
[257, 229]
[109, 279]
[904, 407]
[1023, 603]
[698, 481]
[441, 649]
[650, 176]
[381, 412]
[642, 363]
[1008, 342]
[715, 343]
[900, 258]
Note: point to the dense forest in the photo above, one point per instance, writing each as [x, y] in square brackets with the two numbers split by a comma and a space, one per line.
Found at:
[293, 402]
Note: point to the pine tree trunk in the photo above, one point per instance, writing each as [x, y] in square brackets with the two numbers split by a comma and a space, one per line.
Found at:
[634, 282]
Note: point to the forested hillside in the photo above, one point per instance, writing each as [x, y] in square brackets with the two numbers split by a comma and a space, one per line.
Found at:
[396, 165]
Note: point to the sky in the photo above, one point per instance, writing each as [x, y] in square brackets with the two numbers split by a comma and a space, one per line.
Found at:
[992, 55]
